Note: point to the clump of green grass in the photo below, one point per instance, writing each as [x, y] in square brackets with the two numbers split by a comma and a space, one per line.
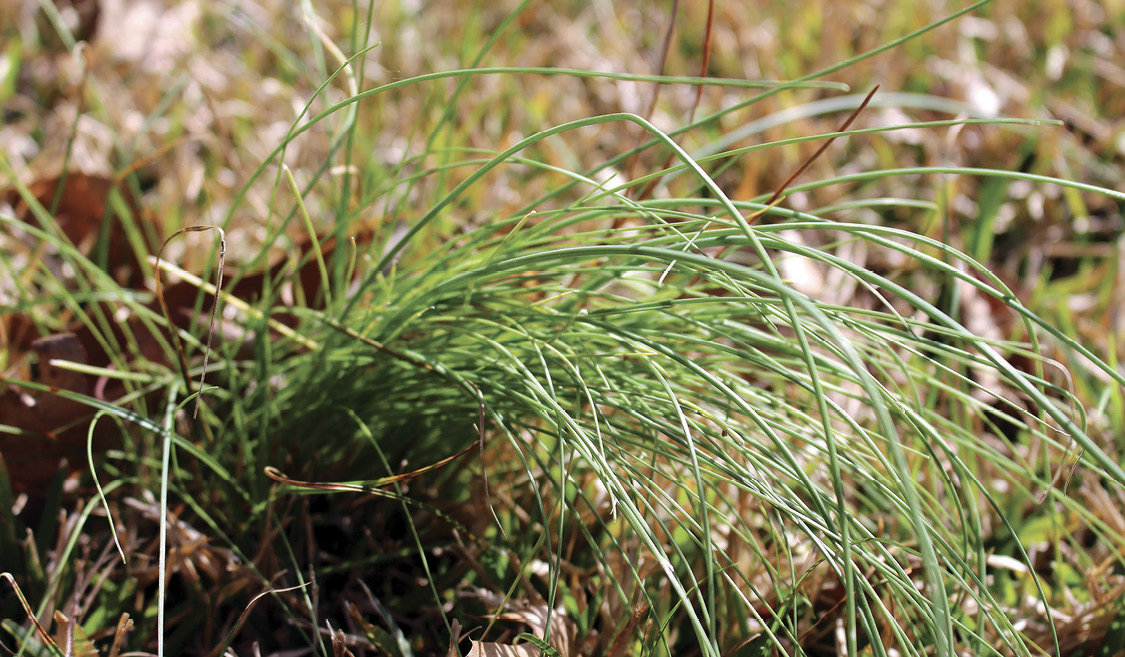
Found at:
[699, 422]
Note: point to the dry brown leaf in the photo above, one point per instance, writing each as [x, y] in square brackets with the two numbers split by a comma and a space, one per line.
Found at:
[83, 205]
[53, 428]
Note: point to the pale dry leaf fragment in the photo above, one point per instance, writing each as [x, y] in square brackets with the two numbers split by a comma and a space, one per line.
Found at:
[454, 638]
[488, 649]
[124, 624]
[69, 634]
[563, 630]
[340, 644]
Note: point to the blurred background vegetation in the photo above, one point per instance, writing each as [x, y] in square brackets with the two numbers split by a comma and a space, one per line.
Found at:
[188, 98]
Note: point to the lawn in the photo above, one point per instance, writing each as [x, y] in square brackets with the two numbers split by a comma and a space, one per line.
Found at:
[626, 328]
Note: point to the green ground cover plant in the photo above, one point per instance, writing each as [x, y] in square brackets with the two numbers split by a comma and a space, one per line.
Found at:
[562, 329]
